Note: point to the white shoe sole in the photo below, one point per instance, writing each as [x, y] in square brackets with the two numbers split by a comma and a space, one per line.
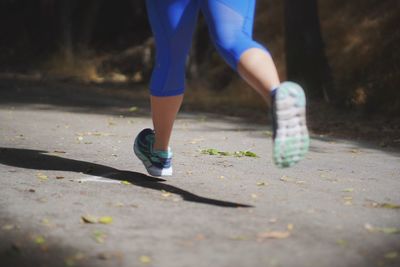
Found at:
[292, 139]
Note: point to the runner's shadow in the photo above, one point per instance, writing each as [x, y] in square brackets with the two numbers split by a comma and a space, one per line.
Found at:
[42, 160]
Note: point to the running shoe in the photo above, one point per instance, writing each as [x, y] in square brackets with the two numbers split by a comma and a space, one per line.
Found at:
[157, 163]
[290, 134]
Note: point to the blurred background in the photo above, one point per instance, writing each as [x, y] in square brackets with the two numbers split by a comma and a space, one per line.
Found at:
[345, 53]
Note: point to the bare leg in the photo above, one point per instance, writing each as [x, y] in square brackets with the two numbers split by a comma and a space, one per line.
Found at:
[164, 110]
[257, 68]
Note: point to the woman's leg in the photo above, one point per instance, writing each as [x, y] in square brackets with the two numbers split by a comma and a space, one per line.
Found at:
[231, 24]
[173, 23]
[163, 111]
[258, 69]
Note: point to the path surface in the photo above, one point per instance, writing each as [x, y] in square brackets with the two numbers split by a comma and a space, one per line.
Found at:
[67, 156]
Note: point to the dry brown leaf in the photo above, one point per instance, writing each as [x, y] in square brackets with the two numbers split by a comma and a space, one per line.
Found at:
[273, 235]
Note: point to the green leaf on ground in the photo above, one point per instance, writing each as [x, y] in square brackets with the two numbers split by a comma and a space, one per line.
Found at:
[390, 206]
[245, 154]
[145, 259]
[106, 220]
[348, 190]
[385, 205]
[126, 183]
[390, 230]
[92, 219]
[211, 151]
[39, 240]
[216, 152]
[99, 236]
[386, 230]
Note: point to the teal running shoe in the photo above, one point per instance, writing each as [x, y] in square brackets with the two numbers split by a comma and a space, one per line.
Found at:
[157, 163]
[290, 134]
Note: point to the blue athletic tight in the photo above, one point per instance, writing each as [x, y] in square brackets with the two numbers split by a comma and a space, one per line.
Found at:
[230, 24]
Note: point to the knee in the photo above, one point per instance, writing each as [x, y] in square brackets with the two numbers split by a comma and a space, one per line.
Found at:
[232, 49]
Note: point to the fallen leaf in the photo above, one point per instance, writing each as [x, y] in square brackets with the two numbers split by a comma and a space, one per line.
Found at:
[89, 219]
[273, 235]
[211, 151]
[390, 230]
[99, 236]
[60, 177]
[32, 190]
[385, 205]
[216, 152]
[133, 109]
[386, 230]
[165, 193]
[106, 220]
[348, 190]
[262, 184]
[145, 259]
[42, 176]
[245, 154]
[39, 240]
[126, 183]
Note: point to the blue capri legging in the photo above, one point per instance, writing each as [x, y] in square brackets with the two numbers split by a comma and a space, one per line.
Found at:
[230, 24]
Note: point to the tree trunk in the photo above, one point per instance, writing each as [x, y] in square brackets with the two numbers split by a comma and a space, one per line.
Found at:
[67, 48]
[89, 23]
[305, 54]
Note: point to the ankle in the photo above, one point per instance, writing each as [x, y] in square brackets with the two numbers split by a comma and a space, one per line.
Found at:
[160, 147]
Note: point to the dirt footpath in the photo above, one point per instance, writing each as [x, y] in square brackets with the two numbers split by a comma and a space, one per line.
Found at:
[73, 194]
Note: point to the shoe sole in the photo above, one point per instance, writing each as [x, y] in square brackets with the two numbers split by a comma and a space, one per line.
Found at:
[292, 140]
[153, 171]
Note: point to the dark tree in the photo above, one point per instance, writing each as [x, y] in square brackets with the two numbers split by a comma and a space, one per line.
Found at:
[305, 55]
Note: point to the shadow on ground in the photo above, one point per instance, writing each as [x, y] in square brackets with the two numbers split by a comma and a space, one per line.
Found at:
[41, 160]
[117, 99]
